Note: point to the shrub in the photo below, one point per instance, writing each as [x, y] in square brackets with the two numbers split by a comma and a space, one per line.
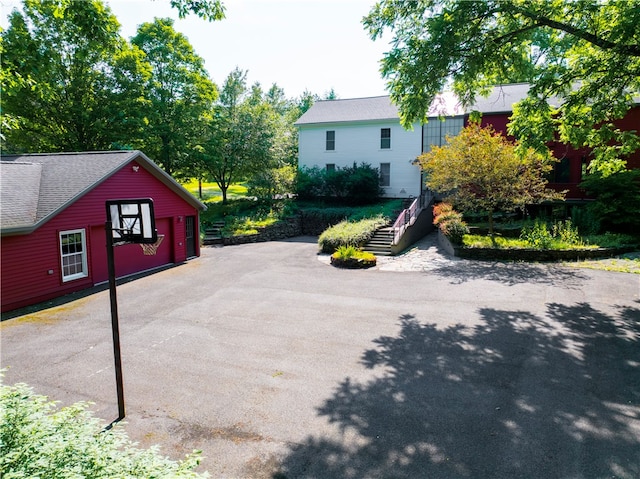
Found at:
[607, 240]
[563, 234]
[566, 232]
[440, 212]
[273, 183]
[613, 240]
[587, 222]
[39, 440]
[450, 222]
[349, 233]
[617, 199]
[363, 184]
[310, 183]
[537, 236]
[352, 257]
[357, 184]
[454, 230]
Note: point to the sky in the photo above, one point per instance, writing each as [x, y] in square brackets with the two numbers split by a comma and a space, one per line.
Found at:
[314, 45]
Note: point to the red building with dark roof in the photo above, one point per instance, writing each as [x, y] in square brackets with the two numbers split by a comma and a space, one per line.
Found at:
[53, 215]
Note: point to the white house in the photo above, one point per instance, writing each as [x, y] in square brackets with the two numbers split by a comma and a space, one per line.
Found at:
[337, 133]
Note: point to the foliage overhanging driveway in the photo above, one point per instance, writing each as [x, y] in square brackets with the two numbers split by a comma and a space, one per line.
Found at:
[273, 362]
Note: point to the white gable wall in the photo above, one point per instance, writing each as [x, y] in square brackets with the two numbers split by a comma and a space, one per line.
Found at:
[360, 143]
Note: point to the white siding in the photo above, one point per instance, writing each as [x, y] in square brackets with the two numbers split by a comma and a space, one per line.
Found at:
[360, 143]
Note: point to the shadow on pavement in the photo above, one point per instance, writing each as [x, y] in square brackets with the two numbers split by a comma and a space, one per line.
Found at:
[511, 273]
[516, 396]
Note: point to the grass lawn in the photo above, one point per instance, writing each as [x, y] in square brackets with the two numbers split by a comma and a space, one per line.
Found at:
[626, 263]
[211, 191]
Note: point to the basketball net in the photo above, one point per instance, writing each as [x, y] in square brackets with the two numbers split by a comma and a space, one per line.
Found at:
[150, 249]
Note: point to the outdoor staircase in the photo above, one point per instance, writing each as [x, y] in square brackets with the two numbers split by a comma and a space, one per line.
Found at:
[380, 242]
[213, 234]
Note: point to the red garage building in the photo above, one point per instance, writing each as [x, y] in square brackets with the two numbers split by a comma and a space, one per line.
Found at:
[53, 214]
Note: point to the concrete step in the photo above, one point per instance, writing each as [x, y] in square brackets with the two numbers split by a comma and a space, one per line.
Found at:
[380, 242]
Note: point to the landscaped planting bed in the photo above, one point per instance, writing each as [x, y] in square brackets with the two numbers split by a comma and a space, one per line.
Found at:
[503, 253]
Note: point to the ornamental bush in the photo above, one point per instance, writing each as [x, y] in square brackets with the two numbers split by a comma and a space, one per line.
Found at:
[561, 234]
[450, 223]
[356, 185]
[39, 440]
[617, 200]
[352, 257]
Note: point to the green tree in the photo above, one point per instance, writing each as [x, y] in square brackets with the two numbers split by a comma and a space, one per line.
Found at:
[480, 170]
[207, 9]
[617, 200]
[306, 101]
[581, 57]
[179, 96]
[240, 135]
[70, 82]
[285, 141]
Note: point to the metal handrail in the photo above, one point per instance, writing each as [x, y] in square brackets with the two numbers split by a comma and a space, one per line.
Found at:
[408, 216]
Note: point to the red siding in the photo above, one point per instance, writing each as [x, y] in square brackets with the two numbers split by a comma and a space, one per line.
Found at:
[576, 157]
[31, 270]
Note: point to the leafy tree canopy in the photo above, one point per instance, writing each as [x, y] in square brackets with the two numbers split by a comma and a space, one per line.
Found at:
[479, 170]
[239, 140]
[69, 80]
[179, 95]
[207, 9]
[581, 57]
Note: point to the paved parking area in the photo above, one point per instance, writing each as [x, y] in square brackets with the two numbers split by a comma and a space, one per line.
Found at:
[277, 365]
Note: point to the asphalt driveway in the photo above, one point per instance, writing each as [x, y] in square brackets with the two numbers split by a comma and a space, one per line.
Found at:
[277, 365]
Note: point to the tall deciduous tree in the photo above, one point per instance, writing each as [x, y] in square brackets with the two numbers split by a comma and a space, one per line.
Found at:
[179, 95]
[69, 80]
[206, 9]
[581, 57]
[480, 170]
[240, 135]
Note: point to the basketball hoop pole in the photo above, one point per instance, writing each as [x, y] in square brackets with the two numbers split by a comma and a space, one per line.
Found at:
[114, 320]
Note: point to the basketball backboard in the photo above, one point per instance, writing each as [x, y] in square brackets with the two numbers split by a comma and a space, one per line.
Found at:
[132, 220]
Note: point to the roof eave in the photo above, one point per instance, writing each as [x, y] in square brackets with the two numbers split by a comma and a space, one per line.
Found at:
[340, 122]
[18, 230]
[149, 165]
[169, 181]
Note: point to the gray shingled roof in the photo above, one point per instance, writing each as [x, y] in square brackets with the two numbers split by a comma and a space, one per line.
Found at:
[500, 100]
[36, 187]
[20, 186]
[356, 109]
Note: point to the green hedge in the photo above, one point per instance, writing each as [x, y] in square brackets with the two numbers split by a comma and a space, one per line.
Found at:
[349, 233]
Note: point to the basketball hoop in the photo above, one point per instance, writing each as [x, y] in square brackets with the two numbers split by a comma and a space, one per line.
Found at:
[149, 249]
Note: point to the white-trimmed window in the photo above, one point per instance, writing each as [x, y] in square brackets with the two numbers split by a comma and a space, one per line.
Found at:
[385, 138]
[73, 254]
[331, 140]
[331, 167]
[385, 174]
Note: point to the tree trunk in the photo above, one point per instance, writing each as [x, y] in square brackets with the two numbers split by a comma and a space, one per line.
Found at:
[224, 193]
[200, 187]
[491, 233]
